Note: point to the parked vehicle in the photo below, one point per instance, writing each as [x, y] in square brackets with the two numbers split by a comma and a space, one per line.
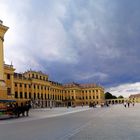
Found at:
[6, 108]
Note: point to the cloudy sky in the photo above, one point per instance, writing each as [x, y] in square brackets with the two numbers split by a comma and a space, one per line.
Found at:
[86, 41]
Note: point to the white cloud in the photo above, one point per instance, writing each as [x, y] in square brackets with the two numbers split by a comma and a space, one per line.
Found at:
[33, 36]
[87, 37]
[13, 15]
[125, 89]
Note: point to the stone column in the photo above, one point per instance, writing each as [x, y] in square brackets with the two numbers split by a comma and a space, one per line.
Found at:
[3, 89]
[18, 90]
[12, 82]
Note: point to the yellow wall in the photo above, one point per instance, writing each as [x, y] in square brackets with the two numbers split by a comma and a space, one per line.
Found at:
[3, 89]
[28, 88]
[35, 86]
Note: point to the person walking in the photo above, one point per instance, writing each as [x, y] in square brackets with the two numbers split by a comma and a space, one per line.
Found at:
[27, 108]
[125, 104]
[22, 109]
[128, 104]
[133, 104]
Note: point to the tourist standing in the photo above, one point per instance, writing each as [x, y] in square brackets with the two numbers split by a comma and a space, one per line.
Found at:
[125, 104]
[27, 108]
[128, 103]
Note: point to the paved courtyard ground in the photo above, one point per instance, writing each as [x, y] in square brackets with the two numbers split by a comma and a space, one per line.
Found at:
[116, 123]
[112, 123]
[35, 114]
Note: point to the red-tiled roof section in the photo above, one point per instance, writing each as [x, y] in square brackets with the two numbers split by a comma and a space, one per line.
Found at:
[88, 85]
[134, 95]
[71, 85]
[80, 85]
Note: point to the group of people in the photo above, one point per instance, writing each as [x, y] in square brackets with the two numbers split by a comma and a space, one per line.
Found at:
[17, 110]
[127, 104]
[92, 105]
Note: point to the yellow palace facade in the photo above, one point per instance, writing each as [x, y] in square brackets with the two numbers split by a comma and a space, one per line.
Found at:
[36, 87]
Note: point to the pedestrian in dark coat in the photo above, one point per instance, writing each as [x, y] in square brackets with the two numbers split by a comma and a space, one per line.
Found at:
[27, 108]
[22, 109]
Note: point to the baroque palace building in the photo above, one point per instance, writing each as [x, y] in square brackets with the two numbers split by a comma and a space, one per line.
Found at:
[36, 87]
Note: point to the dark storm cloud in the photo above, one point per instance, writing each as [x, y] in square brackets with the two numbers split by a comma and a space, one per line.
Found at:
[107, 35]
[79, 40]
